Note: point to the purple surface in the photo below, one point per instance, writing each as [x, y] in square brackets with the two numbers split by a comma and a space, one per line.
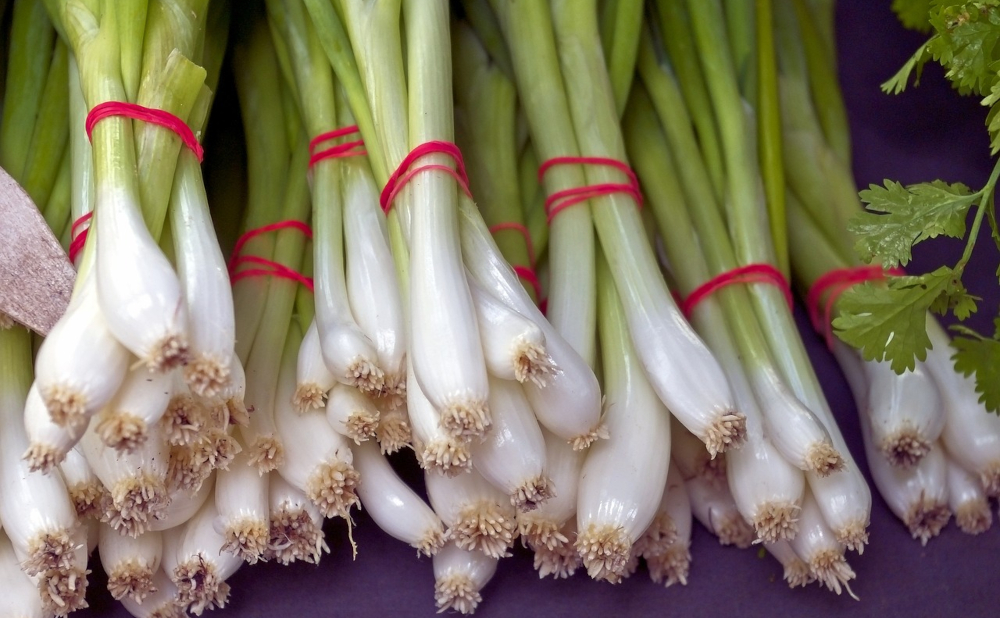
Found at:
[923, 134]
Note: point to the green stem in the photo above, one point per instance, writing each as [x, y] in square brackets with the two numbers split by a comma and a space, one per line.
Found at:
[674, 26]
[572, 301]
[824, 83]
[32, 37]
[620, 24]
[769, 133]
[48, 142]
[57, 207]
[258, 85]
[131, 32]
[741, 25]
[985, 204]
[485, 119]
[487, 27]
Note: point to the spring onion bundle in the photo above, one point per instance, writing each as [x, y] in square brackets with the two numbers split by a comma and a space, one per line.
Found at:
[540, 250]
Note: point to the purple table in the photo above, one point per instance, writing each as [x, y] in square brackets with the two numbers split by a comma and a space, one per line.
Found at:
[923, 134]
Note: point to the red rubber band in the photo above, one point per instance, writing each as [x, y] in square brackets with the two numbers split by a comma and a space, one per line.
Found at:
[347, 149]
[403, 174]
[273, 269]
[834, 283]
[517, 227]
[561, 200]
[78, 236]
[751, 273]
[155, 116]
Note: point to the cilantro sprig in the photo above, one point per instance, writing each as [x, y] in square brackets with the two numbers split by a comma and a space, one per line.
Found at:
[887, 321]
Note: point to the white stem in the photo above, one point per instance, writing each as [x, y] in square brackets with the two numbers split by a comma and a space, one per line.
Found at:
[716, 510]
[971, 434]
[570, 405]
[20, 598]
[623, 477]
[196, 563]
[137, 288]
[968, 500]
[478, 515]
[459, 577]
[800, 437]
[917, 495]
[139, 403]
[692, 458]
[796, 571]
[130, 563]
[80, 364]
[88, 494]
[313, 379]
[541, 527]
[296, 530]
[436, 449]
[816, 544]
[320, 464]
[160, 604]
[512, 457]
[137, 481]
[514, 346]
[183, 505]
[49, 442]
[904, 410]
[372, 284]
[396, 508]
[35, 509]
[351, 413]
[204, 277]
[241, 497]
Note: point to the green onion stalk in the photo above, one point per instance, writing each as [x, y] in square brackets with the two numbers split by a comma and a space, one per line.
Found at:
[413, 106]
[672, 354]
[844, 498]
[485, 119]
[571, 306]
[349, 354]
[766, 486]
[265, 115]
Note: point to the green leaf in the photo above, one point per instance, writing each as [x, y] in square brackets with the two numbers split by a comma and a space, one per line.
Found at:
[966, 43]
[897, 83]
[913, 14]
[981, 357]
[888, 322]
[908, 216]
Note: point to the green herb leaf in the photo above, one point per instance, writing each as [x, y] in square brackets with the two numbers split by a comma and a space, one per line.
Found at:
[979, 356]
[913, 13]
[909, 215]
[888, 322]
[897, 83]
[966, 43]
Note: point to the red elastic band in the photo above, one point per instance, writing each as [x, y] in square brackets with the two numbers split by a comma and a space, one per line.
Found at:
[273, 269]
[138, 112]
[401, 176]
[561, 200]
[347, 149]
[78, 237]
[834, 283]
[751, 273]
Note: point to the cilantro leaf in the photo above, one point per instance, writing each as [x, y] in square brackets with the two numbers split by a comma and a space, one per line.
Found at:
[897, 83]
[888, 322]
[909, 215]
[980, 356]
[966, 43]
[913, 13]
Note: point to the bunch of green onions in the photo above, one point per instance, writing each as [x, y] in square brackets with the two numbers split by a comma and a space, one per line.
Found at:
[481, 232]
